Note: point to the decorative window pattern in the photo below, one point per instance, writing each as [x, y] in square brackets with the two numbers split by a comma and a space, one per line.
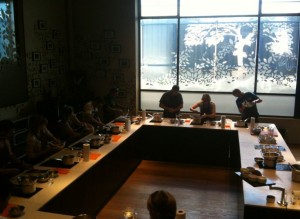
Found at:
[219, 52]
[8, 51]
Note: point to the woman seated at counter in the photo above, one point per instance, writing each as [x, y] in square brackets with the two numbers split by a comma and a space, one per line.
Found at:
[89, 116]
[41, 143]
[71, 128]
[207, 108]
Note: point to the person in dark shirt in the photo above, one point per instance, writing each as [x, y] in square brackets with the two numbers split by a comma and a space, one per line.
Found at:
[246, 103]
[172, 102]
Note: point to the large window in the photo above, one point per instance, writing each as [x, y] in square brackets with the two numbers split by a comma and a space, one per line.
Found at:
[252, 45]
[7, 29]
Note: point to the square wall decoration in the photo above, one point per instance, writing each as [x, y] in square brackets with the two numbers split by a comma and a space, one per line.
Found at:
[124, 63]
[36, 56]
[36, 83]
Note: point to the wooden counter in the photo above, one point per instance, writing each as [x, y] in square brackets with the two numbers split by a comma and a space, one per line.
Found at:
[88, 185]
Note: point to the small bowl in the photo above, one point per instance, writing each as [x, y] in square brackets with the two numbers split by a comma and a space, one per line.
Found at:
[258, 160]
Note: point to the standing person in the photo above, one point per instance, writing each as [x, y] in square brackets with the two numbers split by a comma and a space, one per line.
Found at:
[161, 205]
[246, 103]
[41, 143]
[112, 109]
[172, 102]
[207, 108]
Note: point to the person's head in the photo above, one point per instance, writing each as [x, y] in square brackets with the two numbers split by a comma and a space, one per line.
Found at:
[206, 98]
[88, 107]
[37, 123]
[237, 93]
[6, 128]
[161, 205]
[175, 89]
[66, 112]
[114, 91]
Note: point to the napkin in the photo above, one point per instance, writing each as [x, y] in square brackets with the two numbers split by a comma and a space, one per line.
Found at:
[63, 170]
[115, 138]
[94, 156]
[119, 123]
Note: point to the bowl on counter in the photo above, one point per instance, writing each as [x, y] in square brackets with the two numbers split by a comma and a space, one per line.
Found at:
[68, 159]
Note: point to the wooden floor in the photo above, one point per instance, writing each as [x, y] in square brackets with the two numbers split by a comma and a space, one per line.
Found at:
[203, 192]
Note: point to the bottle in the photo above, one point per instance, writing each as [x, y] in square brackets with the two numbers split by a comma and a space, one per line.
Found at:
[223, 121]
[143, 114]
[252, 124]
[86, 152]
[127, 125]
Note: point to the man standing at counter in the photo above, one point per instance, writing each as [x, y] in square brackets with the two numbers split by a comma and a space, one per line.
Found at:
[246, 103]
[171, 101]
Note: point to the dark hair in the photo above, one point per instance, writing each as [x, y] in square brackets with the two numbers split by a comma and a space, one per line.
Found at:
[162, 205]
[207, 97]
[66, 112]
[236, 91]
[35, 121]
[175, 88]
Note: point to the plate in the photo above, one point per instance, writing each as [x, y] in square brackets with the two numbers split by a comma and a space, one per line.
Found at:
[256, 184]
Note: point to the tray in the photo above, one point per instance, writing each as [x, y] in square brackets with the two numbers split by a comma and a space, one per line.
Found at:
[241, 126]
[260, 146]
[256, 184]
[157, 121]
[17, 191]
[57, 163]
[196, 123]
[279, 167]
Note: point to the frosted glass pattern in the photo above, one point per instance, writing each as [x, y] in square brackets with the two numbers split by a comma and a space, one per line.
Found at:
[218, 7]
[225, 103]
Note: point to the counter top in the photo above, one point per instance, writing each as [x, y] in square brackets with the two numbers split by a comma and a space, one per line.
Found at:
[254, 196]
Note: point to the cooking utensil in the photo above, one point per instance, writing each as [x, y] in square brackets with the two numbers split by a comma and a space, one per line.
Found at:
[27, 183]
[68, 159]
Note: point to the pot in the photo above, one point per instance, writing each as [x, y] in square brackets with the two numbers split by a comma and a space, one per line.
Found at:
[114, 129]
[95, 142]
[27, 183]
[157, 117]
[295, 172]
[68, 159]
[270, 159]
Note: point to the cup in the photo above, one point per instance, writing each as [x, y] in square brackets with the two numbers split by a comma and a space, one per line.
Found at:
[129, 213]
[143, 114]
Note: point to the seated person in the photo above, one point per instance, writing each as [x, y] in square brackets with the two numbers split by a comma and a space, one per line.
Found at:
[71, 128]
[89, 116]
[112, 109]
[10, 165]
[161, 205]
[98, 105]
[40, 141]
[207, 108]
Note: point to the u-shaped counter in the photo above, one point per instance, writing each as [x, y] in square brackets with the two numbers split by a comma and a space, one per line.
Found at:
[87, 186]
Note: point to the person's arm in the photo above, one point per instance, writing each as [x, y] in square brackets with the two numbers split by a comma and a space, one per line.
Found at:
[258, 100]
[195, 106]
[34, 148]
[169, 109]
